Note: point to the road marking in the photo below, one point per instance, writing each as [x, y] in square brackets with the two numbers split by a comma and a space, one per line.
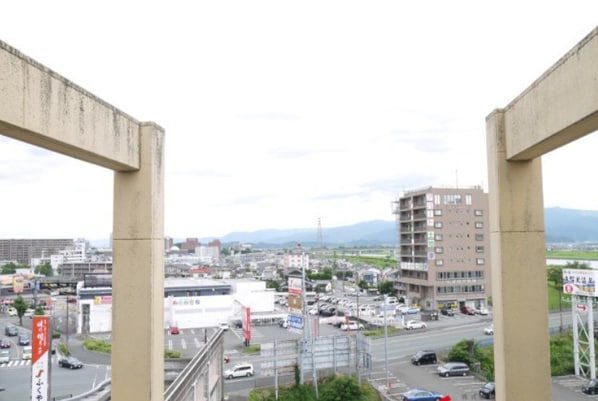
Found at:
[170, 344]
[197, 344]
[183, 343]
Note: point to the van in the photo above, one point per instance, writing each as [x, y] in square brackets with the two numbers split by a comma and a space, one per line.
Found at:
[4, 356]
[424, 357]
[27, 352]
[11, 331]
[242, 370]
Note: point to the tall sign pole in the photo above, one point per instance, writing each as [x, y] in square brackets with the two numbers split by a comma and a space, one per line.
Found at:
[40, 359]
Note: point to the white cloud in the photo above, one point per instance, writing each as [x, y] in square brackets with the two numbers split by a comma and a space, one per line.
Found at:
[279, 113]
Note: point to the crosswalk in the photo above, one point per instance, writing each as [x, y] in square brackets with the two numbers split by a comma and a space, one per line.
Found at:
[15, 363]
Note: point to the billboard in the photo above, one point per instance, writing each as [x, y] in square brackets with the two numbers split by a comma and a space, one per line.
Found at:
[580, 282]
[246, 322]
[40, 359]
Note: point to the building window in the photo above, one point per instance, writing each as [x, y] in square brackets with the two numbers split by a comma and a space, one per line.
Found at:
[438, 224]
[479, 261]
[438, 237]
[478, 212]
[439, 249]
[479, 249]
[468, 199]
[479, 224]
[479, 237]
[439, 262]
[437, 199]
[437, 212]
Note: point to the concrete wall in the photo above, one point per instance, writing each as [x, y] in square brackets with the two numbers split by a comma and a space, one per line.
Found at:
[44, 109]
[559, 107]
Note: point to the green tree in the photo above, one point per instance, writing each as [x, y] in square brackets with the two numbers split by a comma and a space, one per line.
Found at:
[363, 285]
[342, 388]
[386, 287]
[9, 268]
[21, 306]
[44, 269]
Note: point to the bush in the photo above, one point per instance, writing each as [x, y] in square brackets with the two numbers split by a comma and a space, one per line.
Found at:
[171, 354]
[97, 345]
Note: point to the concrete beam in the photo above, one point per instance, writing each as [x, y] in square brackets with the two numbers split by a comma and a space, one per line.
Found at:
[559, 107]
[42, 108]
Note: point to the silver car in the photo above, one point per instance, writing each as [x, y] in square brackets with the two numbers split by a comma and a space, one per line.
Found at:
[453, 369]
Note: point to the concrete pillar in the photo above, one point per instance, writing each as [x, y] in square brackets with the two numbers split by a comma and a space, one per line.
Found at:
[138, 275]
[519, 289]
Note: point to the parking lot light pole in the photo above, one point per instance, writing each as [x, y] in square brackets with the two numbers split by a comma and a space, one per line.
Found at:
[67, 325]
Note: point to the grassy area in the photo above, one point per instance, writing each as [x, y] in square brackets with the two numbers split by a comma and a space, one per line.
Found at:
[106, 348]
[380, 262]
[573, 254]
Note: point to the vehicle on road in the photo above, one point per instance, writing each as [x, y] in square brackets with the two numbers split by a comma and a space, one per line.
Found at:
[424, 357]
[467, 310]
[352, 326]
[4, 356]
[4, 343]
[489, 331]
[447, 311]
[29, 313]
[453, 369]
[174, 330]
[11, 331]
[27, 352]
[224, 326]
[415, 324]
[481, 311]
[24, 339]
[12, 311]
[487, 391]
[241, 370]
[420, 394]
[590, 387]
[70, 363]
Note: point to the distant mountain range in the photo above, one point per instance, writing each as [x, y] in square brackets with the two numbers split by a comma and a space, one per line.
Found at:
[562, 226]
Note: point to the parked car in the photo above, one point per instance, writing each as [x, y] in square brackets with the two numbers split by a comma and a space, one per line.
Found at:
[174, 330]
[487, 391]
[489, 331]
[11, 331]
[70, 363]
[420, 394]
[24, 339]
[29, 313]
[447, 311]
[415, 324]
[453, 369]
[467, 310]
[242, 370]
[481, 310]
[27, 352]
[284, 323]
[352, 326]
[4, 343]
[224, 326]
[11, 311]
[424, 357]
[590, 387]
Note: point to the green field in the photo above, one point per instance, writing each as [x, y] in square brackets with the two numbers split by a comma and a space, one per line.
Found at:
[573, 254]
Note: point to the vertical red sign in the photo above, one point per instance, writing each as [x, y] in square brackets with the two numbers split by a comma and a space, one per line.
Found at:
[247, 323]
[40, 359]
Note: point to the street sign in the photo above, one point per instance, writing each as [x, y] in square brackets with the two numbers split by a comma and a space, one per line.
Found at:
[582, 307]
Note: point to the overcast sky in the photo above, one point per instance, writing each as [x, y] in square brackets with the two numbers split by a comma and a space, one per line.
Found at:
[281, 113]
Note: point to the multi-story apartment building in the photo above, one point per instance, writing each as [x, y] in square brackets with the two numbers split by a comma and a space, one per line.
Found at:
[444, 247]
[24, 250]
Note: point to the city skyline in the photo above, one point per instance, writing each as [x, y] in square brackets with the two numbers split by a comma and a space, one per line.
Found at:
[280, 116]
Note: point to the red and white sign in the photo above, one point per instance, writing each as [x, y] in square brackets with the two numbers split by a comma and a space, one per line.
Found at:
[246, 319]
[581, 307]
[40, 359]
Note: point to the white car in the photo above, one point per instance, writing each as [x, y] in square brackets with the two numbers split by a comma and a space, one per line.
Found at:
[224, 326]
[415, 324]
[352, 326]
[242, 370]
[489, 330]
[481, 311]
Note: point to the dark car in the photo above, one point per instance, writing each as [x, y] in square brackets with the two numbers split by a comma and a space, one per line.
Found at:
[424, 357]
[447, 311]
[590, 387]
[11, 331]
[70, 363]
[4, 343]
[487, 391]
[24, 339]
